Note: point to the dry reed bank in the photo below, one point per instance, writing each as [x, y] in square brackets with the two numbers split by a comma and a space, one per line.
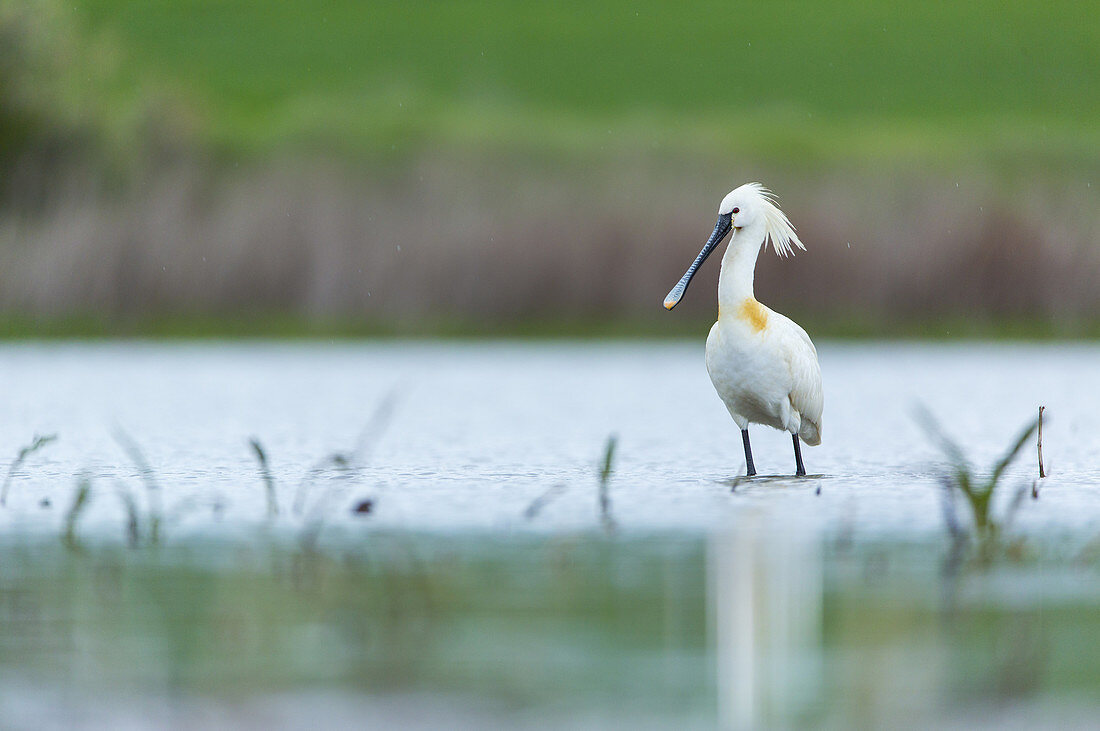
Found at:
[482, 246]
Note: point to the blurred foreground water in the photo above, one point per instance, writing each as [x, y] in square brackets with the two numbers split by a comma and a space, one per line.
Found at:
[744, 630]
[480, 586]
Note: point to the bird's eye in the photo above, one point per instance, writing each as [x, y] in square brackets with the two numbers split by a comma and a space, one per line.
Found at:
[736, 210]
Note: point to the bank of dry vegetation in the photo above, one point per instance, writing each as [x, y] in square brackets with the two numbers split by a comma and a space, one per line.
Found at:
[113, 209]
[485, 244]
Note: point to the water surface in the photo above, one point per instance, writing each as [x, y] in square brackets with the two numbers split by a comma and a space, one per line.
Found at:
[480, 430]
[697, 600]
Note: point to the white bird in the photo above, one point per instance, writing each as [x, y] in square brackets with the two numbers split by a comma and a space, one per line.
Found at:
[762, 364]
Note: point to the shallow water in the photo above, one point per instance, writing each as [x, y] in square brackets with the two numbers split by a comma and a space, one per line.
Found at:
[830, 601]
[747, 629]
[480, 430]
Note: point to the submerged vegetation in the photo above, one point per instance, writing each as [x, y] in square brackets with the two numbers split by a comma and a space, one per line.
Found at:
[144, 520]
[982, 524]
[36, 444]
[604, 471]
[249, 627]
[989, 505]
[529, 617]
[154, 512]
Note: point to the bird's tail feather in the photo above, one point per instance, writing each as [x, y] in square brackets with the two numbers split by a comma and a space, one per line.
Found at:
[810, 433]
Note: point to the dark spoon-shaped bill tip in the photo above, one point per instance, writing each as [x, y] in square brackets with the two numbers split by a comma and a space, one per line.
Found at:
[720, 230]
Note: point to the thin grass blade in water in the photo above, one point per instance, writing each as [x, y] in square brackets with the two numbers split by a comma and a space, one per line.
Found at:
[133, 516]
[986, 526]
[1017, 501]
[36, 444]
[268, 478]
[376, 426]
[542, 501]
[950, 513]
[349, 462]
[960, 465]
[606, 520]
[1002, 464]
[137, 456]
[80, 501]
[947, 445]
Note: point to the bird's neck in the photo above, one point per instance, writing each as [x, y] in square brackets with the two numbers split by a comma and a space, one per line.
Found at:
[738, 268]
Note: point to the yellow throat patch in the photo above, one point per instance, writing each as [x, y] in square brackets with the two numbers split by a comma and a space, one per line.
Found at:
[754, 313]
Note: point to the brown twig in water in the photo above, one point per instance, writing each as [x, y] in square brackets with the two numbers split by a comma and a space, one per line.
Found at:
[1042, 472]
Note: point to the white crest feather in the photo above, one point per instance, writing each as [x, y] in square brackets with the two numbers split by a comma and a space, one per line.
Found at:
[777, 227]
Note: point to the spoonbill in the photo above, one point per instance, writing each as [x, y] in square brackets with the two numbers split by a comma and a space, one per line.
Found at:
[762, 364]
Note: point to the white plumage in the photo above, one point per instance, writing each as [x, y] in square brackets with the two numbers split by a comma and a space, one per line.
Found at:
[762, 364]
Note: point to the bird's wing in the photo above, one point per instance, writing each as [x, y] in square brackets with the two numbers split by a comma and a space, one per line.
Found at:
[806, 395]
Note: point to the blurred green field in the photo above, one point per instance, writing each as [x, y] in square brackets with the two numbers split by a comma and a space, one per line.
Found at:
[794, 81]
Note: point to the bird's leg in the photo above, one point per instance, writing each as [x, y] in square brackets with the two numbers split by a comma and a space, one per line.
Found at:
[800, 469]
[750, 468]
